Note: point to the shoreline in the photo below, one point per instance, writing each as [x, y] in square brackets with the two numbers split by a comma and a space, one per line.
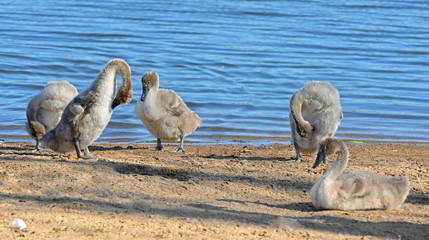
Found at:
[229, 140]
[223, 191]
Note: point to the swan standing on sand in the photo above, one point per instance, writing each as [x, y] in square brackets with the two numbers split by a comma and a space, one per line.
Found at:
[315, 113]
[354, 190]
[86, 116]
[45, 109]
[164, 113]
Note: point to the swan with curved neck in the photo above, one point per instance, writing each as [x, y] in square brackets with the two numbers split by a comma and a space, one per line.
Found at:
[45, 109]
[341, 189]
[315, 114]
[88, 114]
[164, 113]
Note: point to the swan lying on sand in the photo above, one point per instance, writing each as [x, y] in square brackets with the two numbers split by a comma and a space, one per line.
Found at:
[164, 113]
[354, 190]
[88, 114]
[315, 113]
[45, 109]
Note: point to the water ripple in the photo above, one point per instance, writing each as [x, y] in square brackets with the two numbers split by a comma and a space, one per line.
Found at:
[235, 63]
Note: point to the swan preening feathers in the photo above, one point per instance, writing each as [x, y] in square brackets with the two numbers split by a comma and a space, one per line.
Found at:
[341, 189]
[86, 116]
[164, 113]
[45, 109]
[315, 113]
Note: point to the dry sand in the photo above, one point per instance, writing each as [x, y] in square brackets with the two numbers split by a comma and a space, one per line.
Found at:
[211, 192]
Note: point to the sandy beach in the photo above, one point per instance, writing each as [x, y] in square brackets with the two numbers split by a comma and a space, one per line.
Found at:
[211, 192]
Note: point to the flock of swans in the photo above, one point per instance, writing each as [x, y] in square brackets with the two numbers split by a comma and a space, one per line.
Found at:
[61, 119]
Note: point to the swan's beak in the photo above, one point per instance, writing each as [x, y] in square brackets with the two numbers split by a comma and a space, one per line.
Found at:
[115, 103]
[320, 158]
[145, 92]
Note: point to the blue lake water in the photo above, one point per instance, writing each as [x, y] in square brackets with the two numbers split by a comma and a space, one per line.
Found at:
[235, 63]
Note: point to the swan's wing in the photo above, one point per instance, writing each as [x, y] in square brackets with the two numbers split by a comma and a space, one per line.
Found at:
[356, 184]
[172, 103]
[73, 113]
[354, 187]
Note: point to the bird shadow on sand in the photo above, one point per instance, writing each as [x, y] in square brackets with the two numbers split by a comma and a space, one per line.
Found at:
[248, 158]
[418, 198]
[297, 206]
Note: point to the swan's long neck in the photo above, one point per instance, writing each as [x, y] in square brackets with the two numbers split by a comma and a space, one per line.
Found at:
[340, 164]
[125, 91]
[106, 82]
[295, 108]
[151, 106]
[32, 109]
[150, 91]
[153, 93]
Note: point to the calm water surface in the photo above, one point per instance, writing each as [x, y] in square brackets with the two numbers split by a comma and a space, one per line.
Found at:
[235, 63]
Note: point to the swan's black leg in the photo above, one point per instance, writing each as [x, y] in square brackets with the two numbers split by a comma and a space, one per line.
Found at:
[326, 160]
[298, 154]
[38, 145]
[37, 149]
[77, 147]
[159, 146]
[88, 155]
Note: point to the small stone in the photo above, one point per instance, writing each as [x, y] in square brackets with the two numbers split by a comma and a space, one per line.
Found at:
[19, 224]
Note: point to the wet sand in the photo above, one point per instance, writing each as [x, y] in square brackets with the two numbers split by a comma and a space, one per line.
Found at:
[211, 192]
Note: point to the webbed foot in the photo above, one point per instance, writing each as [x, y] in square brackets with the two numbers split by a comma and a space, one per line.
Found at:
[180, 150]
[38, 150]
[295, 160]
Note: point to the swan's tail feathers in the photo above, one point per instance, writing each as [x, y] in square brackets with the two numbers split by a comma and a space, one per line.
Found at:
[193, 121]
[402, 186]
[197, 120]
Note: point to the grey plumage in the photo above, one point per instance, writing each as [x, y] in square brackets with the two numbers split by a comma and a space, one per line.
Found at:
[164, 113]
[354, 190]
[88, 114]
[315, 114]
[45, 109]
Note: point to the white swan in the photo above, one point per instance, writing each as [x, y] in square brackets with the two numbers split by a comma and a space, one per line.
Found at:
[354, 190]
[45, 109]
[164, 113]
[315, 113]
[86, 116]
